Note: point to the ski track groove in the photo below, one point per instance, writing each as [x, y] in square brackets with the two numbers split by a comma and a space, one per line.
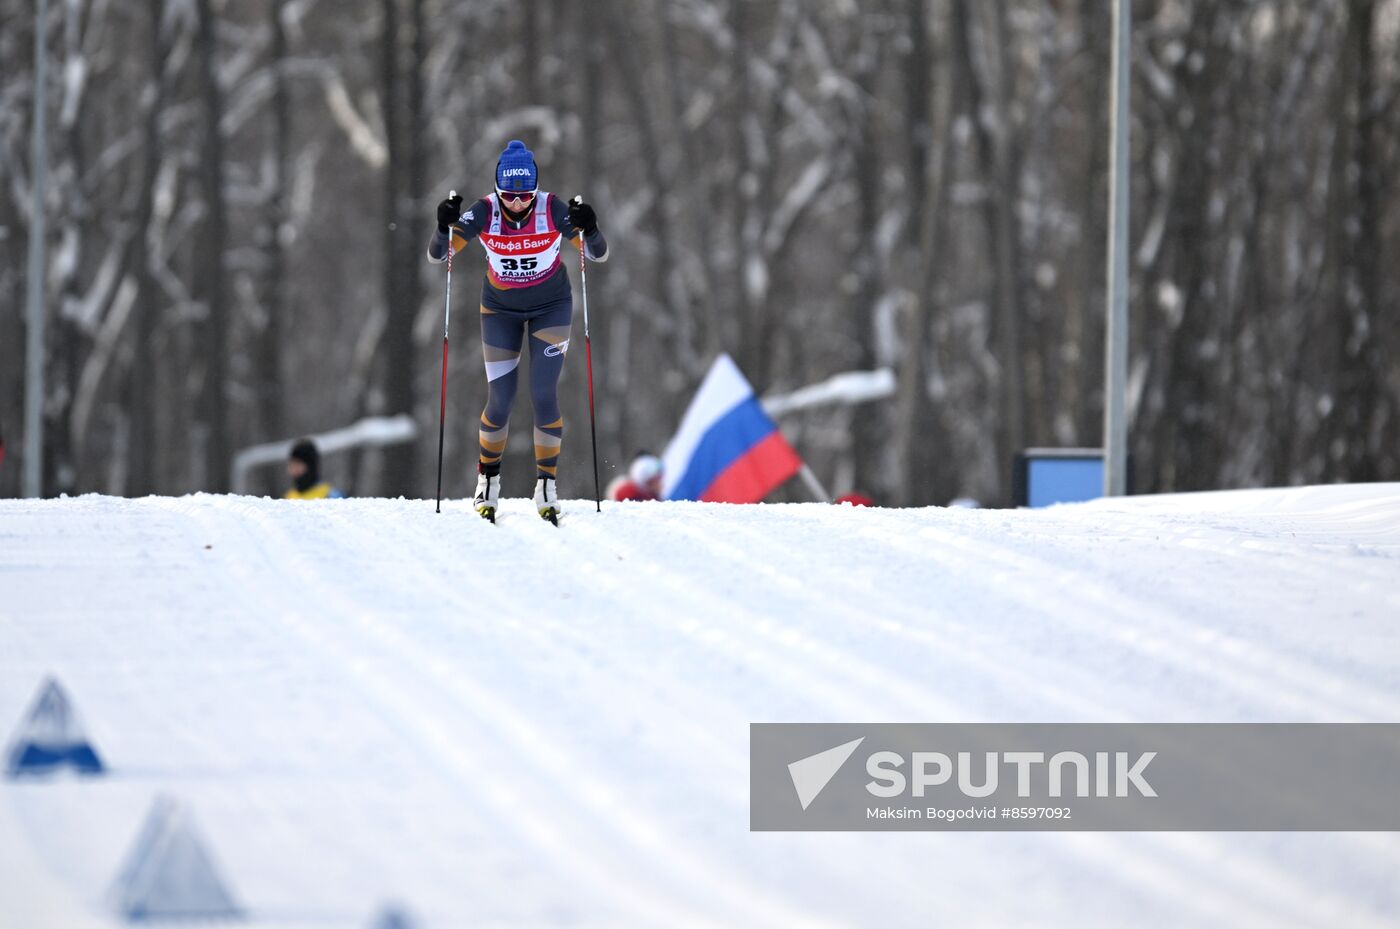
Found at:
[549, 632]
[928, 625]
[1202, 850]
[662, 592]
[1160, 635]
[1261, 547]
[514, 806]
[1144, 870]
[1148, 871]
[610, 813]
[397, 715]
[681, 735]
[864, 690]
[1034, 573]
[663, 584]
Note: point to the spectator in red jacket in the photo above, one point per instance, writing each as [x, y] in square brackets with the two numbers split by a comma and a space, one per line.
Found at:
[643, 481]
[854, 499]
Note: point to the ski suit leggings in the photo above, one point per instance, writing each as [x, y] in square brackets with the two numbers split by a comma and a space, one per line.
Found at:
[502, 339]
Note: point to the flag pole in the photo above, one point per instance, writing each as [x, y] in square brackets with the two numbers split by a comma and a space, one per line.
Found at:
[809, 478]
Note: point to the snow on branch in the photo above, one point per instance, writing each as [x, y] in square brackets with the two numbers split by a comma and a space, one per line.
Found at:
[798, 198]
[846, 389]
[364, 141]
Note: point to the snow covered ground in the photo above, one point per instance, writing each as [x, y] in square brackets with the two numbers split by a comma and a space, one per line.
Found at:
[517, 725]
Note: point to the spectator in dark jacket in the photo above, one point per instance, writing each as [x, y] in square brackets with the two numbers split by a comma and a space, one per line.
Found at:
[304, 469]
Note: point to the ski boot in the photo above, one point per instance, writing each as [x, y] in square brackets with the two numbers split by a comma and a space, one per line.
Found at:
[546, 499]
[488, 493]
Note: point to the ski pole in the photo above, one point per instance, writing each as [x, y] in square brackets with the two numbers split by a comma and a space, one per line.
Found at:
[446, 324]
[588, 357]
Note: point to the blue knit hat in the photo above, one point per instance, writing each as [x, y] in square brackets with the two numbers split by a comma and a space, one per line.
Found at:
[516, 168]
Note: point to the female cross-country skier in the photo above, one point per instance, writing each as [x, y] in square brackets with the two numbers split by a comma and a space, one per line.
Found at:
[526, 291]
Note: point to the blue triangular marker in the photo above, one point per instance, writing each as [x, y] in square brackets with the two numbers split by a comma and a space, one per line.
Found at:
[393, 916]
[51, 738]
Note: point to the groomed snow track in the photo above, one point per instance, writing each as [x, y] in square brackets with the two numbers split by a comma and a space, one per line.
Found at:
[518, 725]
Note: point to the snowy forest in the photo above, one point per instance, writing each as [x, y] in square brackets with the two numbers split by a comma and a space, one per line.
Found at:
[240, 195]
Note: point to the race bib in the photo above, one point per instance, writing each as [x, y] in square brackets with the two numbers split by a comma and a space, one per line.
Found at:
[520, 260]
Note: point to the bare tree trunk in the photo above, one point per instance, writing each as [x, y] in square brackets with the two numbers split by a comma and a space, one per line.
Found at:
[1355, 424]
[1187, 438]
[402, 94]
[920, 440]
[1002, 179]
[1084, 327]
[869, 422]
[270, 388]
[639, 97]
[213, 336]
[696, 329]
[66, 466]
[141, 393]
[747, 266]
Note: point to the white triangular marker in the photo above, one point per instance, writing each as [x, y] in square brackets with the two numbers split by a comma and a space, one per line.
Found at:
[811, 774]
[169, 874]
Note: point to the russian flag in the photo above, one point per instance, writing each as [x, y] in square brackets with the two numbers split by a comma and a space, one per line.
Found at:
[727, 450]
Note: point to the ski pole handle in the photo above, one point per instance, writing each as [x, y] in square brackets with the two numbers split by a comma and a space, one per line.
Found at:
[447, 318]
[582, 269]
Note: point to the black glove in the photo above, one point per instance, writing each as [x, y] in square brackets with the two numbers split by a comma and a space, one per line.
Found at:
[449, 211]
[582, 217]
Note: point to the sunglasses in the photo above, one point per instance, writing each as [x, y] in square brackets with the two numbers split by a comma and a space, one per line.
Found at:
[515, 197]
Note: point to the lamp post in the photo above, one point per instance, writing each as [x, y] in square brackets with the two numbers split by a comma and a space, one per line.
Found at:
[1115, 426]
